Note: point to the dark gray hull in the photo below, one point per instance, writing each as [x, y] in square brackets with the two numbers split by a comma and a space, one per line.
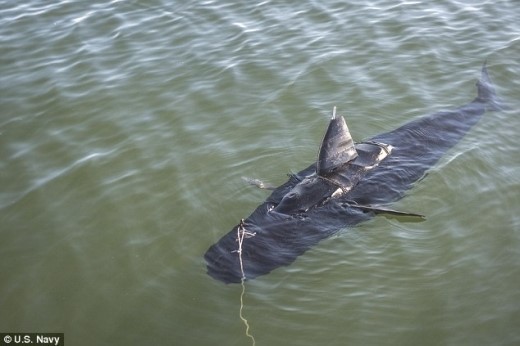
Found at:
[277, 239]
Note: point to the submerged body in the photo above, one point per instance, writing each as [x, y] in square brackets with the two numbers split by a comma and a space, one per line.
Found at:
[348, 184]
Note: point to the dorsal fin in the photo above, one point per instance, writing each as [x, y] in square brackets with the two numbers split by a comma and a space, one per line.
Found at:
[337, 147]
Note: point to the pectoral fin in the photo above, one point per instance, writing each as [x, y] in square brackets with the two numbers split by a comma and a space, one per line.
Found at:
[258, 183]
[384, 210]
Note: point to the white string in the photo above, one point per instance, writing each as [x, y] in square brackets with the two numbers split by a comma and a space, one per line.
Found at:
[241, 234]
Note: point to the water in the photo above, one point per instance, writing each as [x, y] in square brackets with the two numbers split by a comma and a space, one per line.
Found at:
[125, 129]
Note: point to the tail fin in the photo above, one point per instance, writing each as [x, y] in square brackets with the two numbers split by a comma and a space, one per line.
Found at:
[486, 91]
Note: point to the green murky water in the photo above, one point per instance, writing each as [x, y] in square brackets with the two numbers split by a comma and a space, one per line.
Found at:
[125, 129]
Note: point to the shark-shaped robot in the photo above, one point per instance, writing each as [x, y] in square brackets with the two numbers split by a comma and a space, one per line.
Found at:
[349, 183]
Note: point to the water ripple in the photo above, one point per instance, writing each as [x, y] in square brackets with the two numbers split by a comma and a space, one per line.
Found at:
[125, 129]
